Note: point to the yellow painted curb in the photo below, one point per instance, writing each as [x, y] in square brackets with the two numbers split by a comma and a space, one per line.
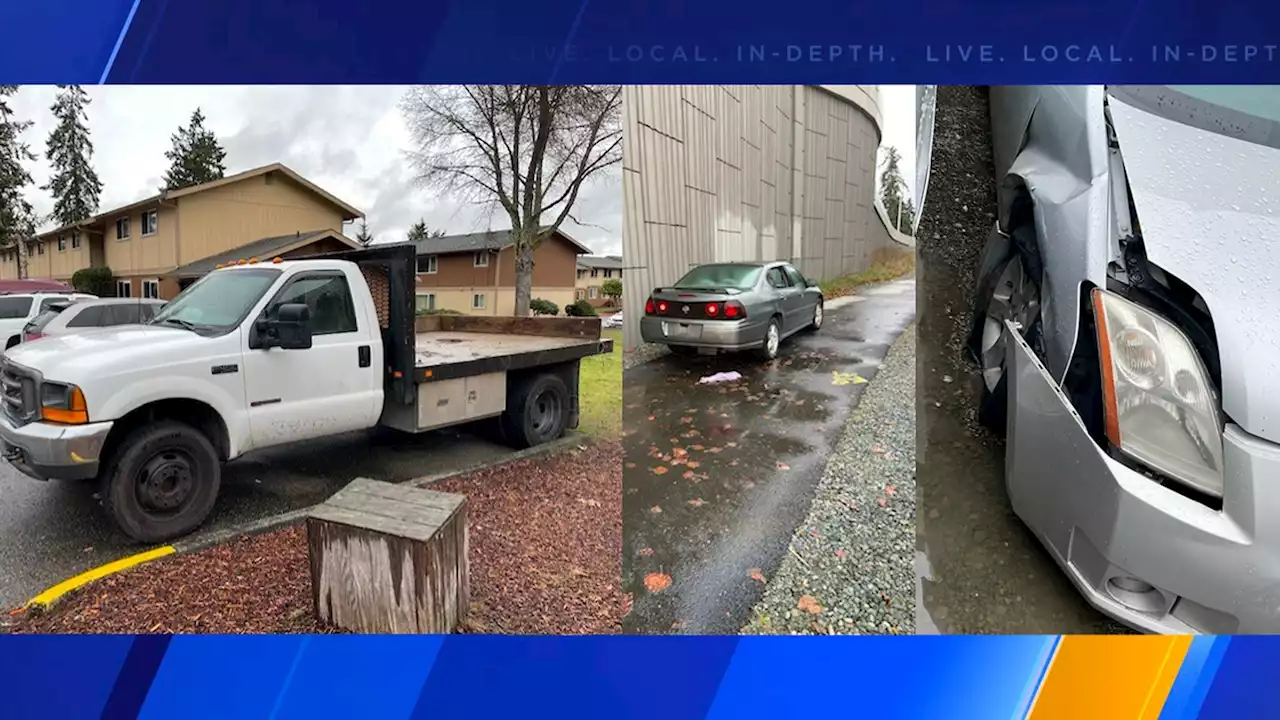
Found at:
[47, 598]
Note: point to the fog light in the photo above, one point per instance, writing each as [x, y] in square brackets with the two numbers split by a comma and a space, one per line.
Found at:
[1136, 594]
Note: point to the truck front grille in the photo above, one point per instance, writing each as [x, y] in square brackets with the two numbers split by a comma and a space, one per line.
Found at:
[18, 391]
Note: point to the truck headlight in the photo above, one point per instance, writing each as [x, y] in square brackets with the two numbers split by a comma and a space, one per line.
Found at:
[62, 403]
[1159, 405]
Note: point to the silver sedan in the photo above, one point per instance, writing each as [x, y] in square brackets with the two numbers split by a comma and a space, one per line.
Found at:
[1124, 324]
[733, 306]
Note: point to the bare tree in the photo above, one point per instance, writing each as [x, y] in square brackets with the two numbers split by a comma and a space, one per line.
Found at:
[524, 149]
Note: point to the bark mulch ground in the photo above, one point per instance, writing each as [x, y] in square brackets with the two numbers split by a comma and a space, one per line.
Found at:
[546, 538]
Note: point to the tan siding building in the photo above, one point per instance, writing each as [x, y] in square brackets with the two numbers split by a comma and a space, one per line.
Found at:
[593, 270]
[475, 274]
[723, 173]
[158, 245]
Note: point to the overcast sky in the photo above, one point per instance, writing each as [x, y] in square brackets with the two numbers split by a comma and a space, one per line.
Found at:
[350, 141]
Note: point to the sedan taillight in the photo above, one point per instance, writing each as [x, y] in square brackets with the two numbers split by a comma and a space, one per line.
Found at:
[734, 310]
[648, 307]
[28, 337]
[712, 310]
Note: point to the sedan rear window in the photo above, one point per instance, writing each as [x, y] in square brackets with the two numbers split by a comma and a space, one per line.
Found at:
[14, 307]
[711, 277]
[38, 324]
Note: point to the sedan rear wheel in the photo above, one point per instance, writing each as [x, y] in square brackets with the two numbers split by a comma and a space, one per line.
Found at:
[772, 339]
[817, 317]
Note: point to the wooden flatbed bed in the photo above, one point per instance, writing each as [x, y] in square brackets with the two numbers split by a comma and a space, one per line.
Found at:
[454, 346]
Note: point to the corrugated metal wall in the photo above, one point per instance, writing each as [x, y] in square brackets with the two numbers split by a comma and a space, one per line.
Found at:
[721, 173]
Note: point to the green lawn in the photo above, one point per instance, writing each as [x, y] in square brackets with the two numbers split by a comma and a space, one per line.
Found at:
[600, 392]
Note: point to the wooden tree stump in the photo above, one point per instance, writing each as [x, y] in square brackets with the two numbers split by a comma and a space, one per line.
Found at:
[389, 559]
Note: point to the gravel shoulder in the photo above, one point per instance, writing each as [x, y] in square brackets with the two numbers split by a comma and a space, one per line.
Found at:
[849, 569]
[545, 543]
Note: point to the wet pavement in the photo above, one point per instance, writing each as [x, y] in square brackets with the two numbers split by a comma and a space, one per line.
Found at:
[717, 477]
[979, 569]
[55, 530]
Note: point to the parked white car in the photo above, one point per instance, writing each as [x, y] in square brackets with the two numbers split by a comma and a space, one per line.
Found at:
[613, 321]
[18, 309]
[70, 316]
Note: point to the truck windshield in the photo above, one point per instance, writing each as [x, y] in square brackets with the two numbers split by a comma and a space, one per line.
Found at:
[713, 277]
[219, 301]
[1245, 112]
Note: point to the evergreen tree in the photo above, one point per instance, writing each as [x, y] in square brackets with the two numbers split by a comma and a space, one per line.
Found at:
[364, 236]
[75, 186]
[893, 192]
[17, 218]
[419, 231]
[196, 156]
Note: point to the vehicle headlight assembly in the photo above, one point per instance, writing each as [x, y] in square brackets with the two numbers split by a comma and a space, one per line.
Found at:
[1160, 407]
[62, 403]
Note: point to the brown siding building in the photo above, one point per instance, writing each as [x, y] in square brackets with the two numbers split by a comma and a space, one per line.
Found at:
[593, 270]
[155, 247]
[476, 274]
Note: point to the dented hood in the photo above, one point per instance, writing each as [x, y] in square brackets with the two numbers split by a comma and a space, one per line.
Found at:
[1207, 191]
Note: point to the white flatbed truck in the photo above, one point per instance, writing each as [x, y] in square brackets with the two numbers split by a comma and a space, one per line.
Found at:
[261, 354]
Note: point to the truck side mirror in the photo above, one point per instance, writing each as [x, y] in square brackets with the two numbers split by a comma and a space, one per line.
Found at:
[286, 326]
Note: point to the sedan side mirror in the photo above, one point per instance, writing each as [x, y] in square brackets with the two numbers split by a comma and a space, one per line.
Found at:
[287, 327]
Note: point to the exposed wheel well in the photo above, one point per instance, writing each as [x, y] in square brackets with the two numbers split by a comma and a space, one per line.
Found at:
[195, 413]
[11, 342]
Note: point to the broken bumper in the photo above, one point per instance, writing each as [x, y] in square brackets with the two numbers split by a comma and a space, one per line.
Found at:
[53, 452]
[1138, 551]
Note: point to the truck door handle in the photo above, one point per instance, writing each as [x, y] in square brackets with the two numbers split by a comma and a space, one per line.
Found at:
[366, 357]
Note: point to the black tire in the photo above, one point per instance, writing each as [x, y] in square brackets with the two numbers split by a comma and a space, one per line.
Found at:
[161, 482]
[815, 323]
[764, 351]
[538, 411]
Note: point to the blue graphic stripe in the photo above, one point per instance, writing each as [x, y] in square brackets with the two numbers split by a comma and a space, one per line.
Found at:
[381, 676]
[59, 677]
[1033, 684]
[1243, 683]
[124, 30]
[1194, 678]
[136, 677]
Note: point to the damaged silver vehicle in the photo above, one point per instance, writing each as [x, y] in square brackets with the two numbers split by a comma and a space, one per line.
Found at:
[1127, 327]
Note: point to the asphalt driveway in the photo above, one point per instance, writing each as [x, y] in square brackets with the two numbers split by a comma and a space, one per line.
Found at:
[52, 531]
[717, 477]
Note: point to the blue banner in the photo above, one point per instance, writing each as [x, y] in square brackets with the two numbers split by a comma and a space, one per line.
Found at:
[753, 41]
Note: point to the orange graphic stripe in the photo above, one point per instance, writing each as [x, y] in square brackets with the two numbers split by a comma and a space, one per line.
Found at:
[1106, 676]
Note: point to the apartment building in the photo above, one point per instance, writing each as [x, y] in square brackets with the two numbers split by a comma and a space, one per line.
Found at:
[159, 245]
[593, 270]
[476, 274]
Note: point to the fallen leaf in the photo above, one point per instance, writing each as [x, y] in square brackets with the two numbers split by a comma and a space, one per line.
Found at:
[679, 452]
[733, 463]
[839, 553]
[755, 574]
[686, 420]
[630, 465]
[688, 475]
[651, 417]
[657, 582]
[732, 444]
[692, 463]
[783, 466]
[660, 470]
[878, 449]
[697, 502]
[715, 450]
[645, 552]
[882, 502]
[807, 603]
[890, 489]
[699, 448]
[839, 378]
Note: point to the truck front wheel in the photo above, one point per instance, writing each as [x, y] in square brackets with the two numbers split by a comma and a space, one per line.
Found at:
[161, 482]
[538, 411]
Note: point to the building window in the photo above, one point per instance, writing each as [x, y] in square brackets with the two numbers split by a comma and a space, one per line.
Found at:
[426, 301]
[593, 292]
[124, 288]
[75, 240]
[31, 249]
[427, 264]
[122, 228]
[579, 294]
[595, 272]
[150, 221]
[62, 243]
[581, 273]
[608, 273]
[40, 248]
[482, 259]
[151, 289]
[477, 301]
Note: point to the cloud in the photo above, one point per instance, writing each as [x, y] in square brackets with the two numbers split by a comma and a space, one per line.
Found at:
[350, 140]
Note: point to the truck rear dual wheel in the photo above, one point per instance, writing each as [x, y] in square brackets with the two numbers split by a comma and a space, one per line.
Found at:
[161, 482]
[538, 411]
